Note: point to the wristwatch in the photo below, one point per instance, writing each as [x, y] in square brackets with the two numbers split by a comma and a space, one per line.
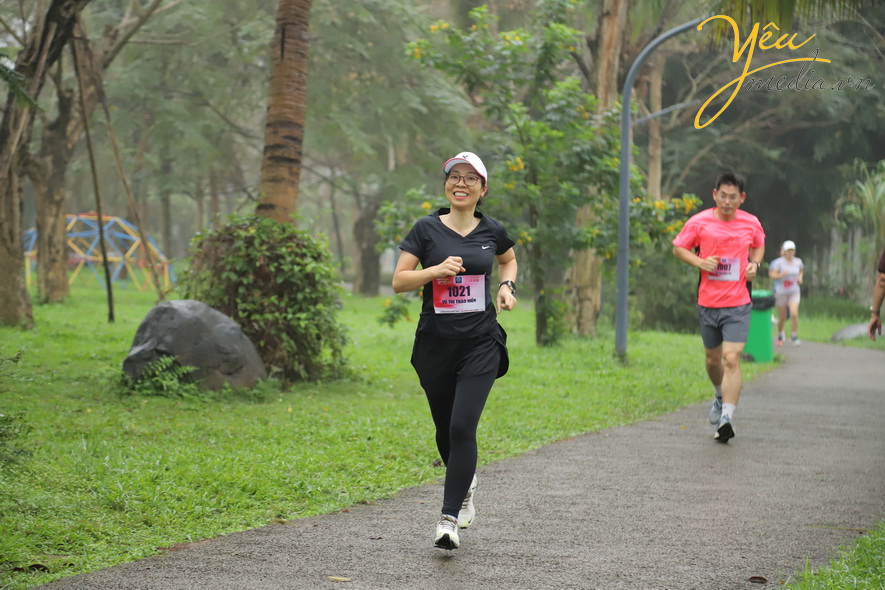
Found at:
[510, 284]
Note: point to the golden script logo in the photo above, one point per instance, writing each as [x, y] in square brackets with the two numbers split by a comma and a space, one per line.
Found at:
[752, 42]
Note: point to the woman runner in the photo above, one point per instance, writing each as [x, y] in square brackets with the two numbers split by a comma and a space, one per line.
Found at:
[460, 349]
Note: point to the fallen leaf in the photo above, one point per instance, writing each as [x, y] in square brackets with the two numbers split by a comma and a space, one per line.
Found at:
[338, 579]
[758, 580]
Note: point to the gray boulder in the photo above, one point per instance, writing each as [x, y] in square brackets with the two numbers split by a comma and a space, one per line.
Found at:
[198, 336]
[851, 332]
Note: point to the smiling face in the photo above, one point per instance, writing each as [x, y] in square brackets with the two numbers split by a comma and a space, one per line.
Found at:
[728, 198]
[460, 195]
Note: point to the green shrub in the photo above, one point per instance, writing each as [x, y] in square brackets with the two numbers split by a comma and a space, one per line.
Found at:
[664, 291]
[280, 285]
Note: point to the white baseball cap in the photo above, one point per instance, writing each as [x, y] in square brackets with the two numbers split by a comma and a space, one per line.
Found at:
[789, 245]
[468, 158]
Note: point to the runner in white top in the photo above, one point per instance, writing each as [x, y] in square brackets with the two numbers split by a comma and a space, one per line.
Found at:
[788, 273]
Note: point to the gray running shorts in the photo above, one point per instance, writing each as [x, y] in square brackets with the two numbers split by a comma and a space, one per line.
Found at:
[729, 324]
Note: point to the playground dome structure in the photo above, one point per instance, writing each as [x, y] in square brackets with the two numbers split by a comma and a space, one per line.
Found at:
[125, 251]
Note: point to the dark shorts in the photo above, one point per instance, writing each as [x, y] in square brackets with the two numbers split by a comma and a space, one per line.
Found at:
[434, 356]
[728, 324]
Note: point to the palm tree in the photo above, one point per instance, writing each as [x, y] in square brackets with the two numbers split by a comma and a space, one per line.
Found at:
[782, 12]
[286, 112]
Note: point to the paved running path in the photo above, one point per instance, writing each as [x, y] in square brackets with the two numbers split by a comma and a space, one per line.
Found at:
[654, 505]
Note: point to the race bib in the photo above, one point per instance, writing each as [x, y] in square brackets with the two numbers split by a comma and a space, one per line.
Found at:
[788, 284]
[460, 294]
[728, 270]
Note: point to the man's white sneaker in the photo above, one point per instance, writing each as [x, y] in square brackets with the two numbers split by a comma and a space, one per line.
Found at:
[468, 510]
[716, 410]
[447, 533]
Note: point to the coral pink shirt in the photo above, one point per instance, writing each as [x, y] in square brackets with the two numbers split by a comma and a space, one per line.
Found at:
[731, 242]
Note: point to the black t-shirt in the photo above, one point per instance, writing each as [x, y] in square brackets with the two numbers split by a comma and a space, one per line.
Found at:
[432, 242]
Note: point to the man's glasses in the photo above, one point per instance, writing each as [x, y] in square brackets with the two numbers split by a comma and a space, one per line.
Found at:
[469, 180]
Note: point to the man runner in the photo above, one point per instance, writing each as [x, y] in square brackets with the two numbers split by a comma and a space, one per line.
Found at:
[730, 245]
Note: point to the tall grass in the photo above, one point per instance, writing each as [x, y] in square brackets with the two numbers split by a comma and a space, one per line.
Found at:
[858, 567]
[115, 478]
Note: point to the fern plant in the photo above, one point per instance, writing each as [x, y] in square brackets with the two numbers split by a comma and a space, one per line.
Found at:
[164, 377]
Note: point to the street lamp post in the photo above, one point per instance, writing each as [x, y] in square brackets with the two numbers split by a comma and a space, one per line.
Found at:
[624, 206]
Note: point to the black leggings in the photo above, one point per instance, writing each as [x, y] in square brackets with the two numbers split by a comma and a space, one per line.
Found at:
[457, 376]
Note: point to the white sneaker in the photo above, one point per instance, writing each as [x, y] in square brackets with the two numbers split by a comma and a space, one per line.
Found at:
[716, 410]
[447, 533]
[468, 510]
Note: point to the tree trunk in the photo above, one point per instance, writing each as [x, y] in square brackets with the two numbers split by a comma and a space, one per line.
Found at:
[585, 283]
[586, 273]
[52, 254]
[47, 172]
[15, 304]
[286, 113]
[336, 226]
[41, 51]
[214, 206]
[166, 211]
[367, 264]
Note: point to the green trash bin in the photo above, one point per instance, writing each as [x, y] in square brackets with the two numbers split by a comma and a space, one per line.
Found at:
[759, 338]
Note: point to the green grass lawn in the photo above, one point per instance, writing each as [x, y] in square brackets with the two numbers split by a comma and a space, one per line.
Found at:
[115, 478]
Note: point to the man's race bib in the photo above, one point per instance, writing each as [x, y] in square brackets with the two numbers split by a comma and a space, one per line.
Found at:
[729, 269]
[460, 294]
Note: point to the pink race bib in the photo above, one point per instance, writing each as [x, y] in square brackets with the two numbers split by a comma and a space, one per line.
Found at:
[728, 270]
[460, 294]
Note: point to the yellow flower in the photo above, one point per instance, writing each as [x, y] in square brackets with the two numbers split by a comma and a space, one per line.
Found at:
[445, 26]
[517, 164]
[660, 205]
[426, 205]
[637, 200]
[416, 53]
[434, 28]
[387, 303]
[510, 185]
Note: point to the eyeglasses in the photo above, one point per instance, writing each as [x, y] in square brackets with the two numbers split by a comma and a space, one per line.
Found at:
[469, 180]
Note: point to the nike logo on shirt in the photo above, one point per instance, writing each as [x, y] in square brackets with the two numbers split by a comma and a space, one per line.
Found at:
[486, 247]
